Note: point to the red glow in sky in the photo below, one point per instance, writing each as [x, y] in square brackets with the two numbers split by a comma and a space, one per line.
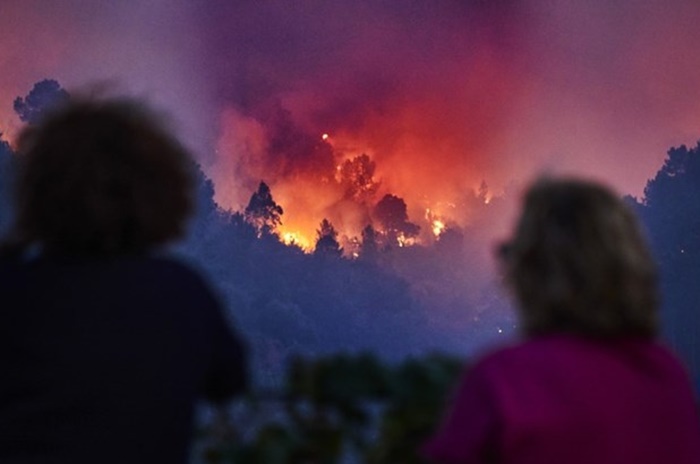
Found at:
[440, 95]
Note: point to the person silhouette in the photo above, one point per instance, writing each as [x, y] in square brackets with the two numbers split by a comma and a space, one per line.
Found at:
[588, 383]
[106, 342]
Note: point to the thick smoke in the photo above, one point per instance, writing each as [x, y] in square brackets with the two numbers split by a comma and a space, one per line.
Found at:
[442, 96]
[420, 89]
[461, 90]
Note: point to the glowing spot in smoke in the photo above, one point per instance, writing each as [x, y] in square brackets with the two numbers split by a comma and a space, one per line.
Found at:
[404, 241]
[324, 137]
[438, 227]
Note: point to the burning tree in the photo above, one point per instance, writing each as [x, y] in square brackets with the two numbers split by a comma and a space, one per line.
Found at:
[391, 213]
[262, 211]
[357, 178]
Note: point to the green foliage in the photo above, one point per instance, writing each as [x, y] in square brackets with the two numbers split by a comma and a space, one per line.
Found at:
[339, 407]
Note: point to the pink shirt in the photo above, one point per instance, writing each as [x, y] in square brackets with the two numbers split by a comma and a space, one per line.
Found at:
[568, 400]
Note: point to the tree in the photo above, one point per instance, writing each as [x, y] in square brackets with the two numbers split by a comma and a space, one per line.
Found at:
[391, 213]
[671, 211]
[7, 167]
[327, 240]
[207, 215]
[369, 247]
[357, 178]
[262, 211]
[44, 95]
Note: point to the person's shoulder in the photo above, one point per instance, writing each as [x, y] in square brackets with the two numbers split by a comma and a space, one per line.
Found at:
[174, 269]
[155, 271]
[515, 349]
[563, 349]
[12, 265]
[492, 359]
[664, 358]
[522, 352]
[8, 272]
[8, 261]
[171, 265]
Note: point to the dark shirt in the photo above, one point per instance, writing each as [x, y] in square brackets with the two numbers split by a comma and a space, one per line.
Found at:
[102, 361]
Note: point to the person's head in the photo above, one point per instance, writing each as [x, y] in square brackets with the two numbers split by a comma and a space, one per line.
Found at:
[101, 178]
[578, 263]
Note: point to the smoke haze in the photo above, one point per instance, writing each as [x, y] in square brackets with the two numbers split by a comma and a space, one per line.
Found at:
[440, 96]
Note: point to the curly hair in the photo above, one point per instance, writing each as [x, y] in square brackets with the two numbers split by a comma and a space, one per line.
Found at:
[579, 263]
[101, 178]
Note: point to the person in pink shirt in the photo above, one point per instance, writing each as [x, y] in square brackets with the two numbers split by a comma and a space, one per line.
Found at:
[588, 382]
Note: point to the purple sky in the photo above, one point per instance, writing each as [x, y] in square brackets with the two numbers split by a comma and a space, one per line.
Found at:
[442, 95]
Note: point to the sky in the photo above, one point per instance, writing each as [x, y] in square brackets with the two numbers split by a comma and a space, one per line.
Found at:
[440, 95]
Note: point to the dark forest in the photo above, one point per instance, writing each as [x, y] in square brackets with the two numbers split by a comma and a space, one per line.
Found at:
[385, 296]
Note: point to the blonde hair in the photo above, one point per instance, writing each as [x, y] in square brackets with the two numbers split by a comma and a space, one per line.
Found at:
[579, 263]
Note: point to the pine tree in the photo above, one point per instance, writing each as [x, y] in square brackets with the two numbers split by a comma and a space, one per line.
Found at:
[262, 211]
[327, 240]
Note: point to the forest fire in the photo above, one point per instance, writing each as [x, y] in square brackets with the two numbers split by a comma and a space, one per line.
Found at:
[438, 95]
[437, 225]
[373, 129]
[295, 239]
[353, 180]
[426, 107]
[363, 139]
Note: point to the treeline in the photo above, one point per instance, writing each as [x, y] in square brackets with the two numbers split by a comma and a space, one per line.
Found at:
[670, 210]
[389, 299]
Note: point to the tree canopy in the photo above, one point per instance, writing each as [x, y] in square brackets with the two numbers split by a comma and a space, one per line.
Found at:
[45, 95]
[357, 178]
[327, 240]
[391, 213]
[7, 166]
[670, 211]
[262, 211]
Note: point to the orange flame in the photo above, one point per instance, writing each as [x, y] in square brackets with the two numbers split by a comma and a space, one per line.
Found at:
[295, 239]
